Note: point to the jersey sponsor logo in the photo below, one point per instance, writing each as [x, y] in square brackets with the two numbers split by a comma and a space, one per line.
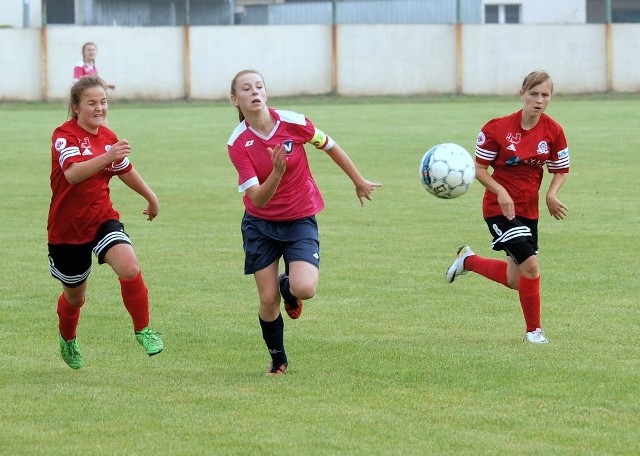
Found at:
[513, 161]
[563, 153]
[543, 147]
[514, 138]
[248, 143]
[481, 139]
[60, 144]
[288, 146]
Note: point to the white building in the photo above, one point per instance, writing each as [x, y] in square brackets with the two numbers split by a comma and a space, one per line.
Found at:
[30, 13]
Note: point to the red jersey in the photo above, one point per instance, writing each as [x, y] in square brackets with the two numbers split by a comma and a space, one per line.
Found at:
[517, 157]
[297, 195]
[77, 210]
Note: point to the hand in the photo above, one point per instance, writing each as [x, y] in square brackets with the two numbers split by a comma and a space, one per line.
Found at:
[119, 151]
[556, 208]
[152, 210]
[507, 205]
[364, 190]
[278, 159]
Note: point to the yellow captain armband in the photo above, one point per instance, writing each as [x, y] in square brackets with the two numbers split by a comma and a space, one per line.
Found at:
[321, 141]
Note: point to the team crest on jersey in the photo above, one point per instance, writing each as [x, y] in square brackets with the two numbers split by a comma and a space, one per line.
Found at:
[481, 139]
[288, 146]
[514, 139]
[248, 143]
[543, 147]
[60, 144]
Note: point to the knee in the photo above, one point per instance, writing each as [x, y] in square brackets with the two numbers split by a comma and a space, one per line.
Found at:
[303, 290]
[75, 300]
[129, 271]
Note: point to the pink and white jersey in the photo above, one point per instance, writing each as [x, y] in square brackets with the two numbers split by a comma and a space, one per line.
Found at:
[297, 195]
[84, 69]
[517, 157]
[78, 210]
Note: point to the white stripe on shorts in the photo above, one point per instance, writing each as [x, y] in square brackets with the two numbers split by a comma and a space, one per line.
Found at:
[513, 233]
[69, 279]
[109, 239]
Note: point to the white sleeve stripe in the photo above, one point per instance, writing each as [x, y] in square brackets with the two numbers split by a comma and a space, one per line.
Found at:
[486, 154]
[122, 165]
[66, 153]
[249, 183]
[559, 164]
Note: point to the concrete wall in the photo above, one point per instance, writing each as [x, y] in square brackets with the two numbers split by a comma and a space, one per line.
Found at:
[143, 63]
[149, 62]
[573, 55]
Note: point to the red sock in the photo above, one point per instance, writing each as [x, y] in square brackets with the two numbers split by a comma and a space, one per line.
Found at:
[529, 291]
[68, 317]
[136, 300]
[490, 268]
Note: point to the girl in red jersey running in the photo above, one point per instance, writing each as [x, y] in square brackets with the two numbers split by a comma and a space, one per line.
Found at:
[85, 155]
[517, 147]
[281, 200]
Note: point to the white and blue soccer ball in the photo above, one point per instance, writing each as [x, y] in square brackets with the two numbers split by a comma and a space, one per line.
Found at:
[447, 170]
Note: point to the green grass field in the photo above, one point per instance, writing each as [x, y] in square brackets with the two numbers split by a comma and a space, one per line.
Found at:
[387, 358]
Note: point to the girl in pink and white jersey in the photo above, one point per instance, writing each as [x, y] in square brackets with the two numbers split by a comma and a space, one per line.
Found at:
[517, 147]
[87, 67]
[281, 200]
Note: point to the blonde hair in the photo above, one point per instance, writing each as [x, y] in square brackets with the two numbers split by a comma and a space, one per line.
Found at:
[535, 78]
[77, 89]
[233, 87]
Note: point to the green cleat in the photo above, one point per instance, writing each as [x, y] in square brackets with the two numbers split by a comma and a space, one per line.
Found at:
[150, 341]
[71, 353]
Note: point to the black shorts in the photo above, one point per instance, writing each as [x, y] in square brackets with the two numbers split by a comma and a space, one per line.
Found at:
[71, 263]
[517, 237]
[265, 241]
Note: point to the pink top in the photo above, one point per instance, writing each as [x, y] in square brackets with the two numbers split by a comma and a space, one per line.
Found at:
[84, 69]
[297, 195]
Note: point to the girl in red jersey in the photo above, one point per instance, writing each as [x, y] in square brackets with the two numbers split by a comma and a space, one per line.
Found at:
[87, 67]
[517, 147]
[281, 200]
[85, 155]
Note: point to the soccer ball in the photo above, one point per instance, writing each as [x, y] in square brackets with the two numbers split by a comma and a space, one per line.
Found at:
[447, 170]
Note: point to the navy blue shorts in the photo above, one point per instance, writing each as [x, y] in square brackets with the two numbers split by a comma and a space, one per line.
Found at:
[265, 241]
[71, 263]
[517, 237]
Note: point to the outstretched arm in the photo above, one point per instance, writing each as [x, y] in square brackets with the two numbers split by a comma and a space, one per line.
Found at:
[135, 182]
[364, 188]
